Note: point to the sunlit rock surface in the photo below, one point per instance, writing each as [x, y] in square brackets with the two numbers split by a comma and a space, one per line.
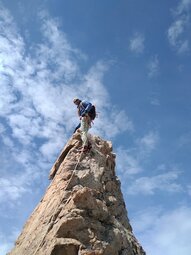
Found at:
[82, 211]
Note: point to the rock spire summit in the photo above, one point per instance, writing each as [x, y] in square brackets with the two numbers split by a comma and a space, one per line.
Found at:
[82, 211]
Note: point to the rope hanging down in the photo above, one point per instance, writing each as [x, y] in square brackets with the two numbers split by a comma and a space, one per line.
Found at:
[51, 224]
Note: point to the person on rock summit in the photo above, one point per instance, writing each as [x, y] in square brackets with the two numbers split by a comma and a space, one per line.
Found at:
[86, 112]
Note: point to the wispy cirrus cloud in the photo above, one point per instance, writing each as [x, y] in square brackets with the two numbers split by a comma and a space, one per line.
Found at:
[175, 33]
[11, 189]
[136, 43]
[127, 163]
[38, 83]
[148, 142]
[154, 100]
[183, 6]
[153, 67]
[135, 177]
[167, 182]
[130, 161]
[178, 32]
[158, 228]
[189, 190]
[6, 243]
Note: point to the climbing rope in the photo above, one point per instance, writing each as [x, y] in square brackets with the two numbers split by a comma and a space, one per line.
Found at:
[74, 169]
[69, 181]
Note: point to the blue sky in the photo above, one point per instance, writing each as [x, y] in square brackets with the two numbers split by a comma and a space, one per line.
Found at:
[131, 59]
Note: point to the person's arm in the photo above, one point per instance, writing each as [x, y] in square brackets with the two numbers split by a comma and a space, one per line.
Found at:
[78, 112]
[87, 106]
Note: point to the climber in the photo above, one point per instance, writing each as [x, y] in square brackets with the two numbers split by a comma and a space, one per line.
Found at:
[86, 112]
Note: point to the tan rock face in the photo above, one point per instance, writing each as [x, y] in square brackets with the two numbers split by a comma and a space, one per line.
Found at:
[82, 211]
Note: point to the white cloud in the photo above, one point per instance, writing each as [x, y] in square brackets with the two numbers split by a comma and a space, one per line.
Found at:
[184, 140]
[135, 161]
[111, 127]
[153, 67]
[37, 88]
[8, 141]
[184, 47]
[21, 170]
[175, 34]
[189, 190]
[46, 83]
[148, 142]
[167, 182]
[179, 30]
[137, 43]
[183, 6]
[38, 84]
[7, 96]
[155, 101]
[164, 232]
[175, 31]
[5, 246]
[130, 161]
[127, 164]
[6, 242]
[10, 189]
[2, 128]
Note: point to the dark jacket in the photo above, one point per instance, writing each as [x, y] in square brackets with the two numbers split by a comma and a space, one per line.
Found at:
[84, 107]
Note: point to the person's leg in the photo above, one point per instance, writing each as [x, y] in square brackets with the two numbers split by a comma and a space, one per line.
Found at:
[78, 126]
[84, 130]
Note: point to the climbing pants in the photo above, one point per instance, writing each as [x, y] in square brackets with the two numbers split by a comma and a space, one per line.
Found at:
[85, 125]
